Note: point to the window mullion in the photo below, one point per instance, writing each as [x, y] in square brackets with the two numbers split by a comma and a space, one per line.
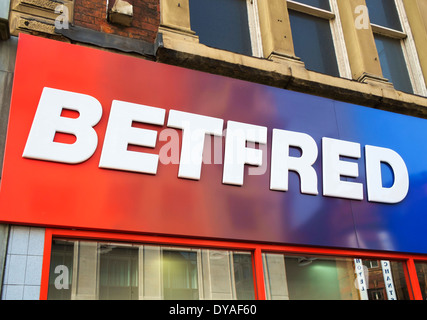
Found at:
[391, 33]
[339, 43]
[317, 12]
[258, 270]
[254, 28]
[410, 53]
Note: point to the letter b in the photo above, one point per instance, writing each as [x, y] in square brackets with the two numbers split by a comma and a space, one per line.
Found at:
[48, 121]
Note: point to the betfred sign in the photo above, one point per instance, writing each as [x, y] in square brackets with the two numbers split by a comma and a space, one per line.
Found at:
[110, 142]
[48, 121]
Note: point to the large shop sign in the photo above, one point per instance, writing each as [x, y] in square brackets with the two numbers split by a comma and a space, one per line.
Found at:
[104, 141]
[41, 145]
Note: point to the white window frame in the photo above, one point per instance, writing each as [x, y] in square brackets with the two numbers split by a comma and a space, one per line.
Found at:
[408, 48]
[336, 31]
[254, 28]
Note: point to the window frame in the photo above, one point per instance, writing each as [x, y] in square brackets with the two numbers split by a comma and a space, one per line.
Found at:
[337, 33]
[409, 50]
[254, 28]
[256, 250]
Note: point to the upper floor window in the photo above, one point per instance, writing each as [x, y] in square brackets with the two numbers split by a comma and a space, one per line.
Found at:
[394, 44]
[317, 36]
[384, 13]
[227, 24]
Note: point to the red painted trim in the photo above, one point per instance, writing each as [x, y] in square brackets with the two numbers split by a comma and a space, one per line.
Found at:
[256, 249]
[259, 275]
[95, 235]
[413, 278]
[46, 264]
[408, 280]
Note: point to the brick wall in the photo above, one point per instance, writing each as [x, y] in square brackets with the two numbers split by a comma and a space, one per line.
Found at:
[92, 14]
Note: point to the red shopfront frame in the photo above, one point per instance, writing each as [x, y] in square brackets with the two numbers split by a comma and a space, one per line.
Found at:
[256, 249]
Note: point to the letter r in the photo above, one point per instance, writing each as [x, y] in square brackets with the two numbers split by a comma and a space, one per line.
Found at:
[282, 162]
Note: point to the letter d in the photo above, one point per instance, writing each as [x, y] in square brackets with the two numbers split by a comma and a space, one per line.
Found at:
[376, 192]
[47, 121]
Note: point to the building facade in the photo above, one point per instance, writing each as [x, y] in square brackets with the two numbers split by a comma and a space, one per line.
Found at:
[213, 149]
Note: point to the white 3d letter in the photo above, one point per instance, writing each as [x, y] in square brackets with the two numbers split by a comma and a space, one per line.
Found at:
[120, 133]
[282, 162]
[194, 127]
[334, 168]
[376, 191]
[48, 121]
[237, 154]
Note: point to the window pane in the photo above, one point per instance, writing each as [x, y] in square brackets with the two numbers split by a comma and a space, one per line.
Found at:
[243, 276]
[61, 268]
[393, 62]
[422, 277]
[313, 43]
[323, 278]
[118, 273]
[322, 4]
[97, 270]
[384, 13]
[222, 24]
[180, 275]
[386, 280]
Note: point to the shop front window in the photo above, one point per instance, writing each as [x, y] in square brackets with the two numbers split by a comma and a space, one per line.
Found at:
[100, 270]
[325, 278]
[385, 280]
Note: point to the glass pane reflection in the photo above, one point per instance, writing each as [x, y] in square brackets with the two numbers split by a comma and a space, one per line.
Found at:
[393, 62]
[313, 43]
[422, 277]
[324, 278]
[384, 13]
[96, 270]
[118, 272]
[222, 24]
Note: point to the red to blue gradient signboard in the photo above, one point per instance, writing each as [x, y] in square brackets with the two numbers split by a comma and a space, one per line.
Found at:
[103, 141]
